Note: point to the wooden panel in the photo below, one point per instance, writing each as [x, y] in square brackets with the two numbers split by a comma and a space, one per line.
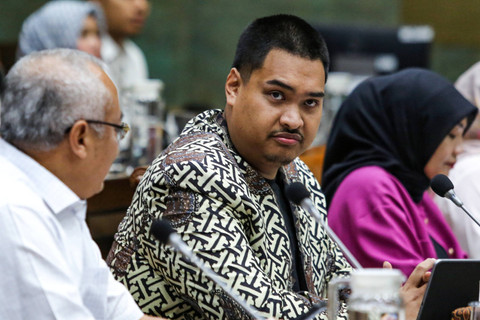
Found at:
[454, 22]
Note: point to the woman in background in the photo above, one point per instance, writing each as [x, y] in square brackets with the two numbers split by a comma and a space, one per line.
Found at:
[466, 173]
[62, 24]
[390, 137]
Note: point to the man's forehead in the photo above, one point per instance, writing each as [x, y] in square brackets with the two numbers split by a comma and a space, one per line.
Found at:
[276, 56]
[292, 72]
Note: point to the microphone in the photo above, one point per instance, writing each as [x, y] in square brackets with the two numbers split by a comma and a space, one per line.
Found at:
[298, 194]
[443, 186]
[163, 231]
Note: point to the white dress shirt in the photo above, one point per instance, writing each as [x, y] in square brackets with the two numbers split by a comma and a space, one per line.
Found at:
[50, 266]
[127, 63]
[466, 180]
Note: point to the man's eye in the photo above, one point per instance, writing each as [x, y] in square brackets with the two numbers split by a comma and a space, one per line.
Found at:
[277, 95]
[311, 103]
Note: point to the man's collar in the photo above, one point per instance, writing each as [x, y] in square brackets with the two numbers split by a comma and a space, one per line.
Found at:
[110, 49]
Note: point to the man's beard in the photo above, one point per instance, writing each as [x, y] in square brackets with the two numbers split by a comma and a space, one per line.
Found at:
[283, 159]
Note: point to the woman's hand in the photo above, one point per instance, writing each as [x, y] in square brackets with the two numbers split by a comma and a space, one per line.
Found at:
[413, 290]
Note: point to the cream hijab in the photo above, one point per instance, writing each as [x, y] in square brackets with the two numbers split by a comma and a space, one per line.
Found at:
[469, 86]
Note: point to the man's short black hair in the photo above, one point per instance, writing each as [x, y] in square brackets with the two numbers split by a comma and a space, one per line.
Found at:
[284, 32]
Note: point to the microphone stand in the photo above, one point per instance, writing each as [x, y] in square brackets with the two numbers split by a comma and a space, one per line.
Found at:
[443, 187]
[450, 195]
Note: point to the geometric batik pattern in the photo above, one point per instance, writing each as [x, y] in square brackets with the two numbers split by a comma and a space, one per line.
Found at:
[228, 215]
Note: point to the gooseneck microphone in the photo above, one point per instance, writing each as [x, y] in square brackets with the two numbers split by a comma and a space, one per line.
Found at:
[442, 186]
[163, 231]
[298, 194]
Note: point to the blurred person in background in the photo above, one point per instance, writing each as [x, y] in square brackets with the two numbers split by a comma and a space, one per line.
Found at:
[63, 24]
[465, 175]
[124, 19]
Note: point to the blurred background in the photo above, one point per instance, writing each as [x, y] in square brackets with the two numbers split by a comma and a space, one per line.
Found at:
[189, 44]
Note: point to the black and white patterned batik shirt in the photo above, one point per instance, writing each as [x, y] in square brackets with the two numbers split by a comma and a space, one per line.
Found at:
[227, 213]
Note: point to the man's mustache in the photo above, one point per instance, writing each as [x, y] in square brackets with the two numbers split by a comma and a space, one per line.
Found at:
[295, 133]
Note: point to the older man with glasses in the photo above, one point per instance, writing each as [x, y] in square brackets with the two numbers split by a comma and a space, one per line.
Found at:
[60, 128]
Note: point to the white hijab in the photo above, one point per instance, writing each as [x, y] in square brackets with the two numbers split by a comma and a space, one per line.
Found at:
[57, 24]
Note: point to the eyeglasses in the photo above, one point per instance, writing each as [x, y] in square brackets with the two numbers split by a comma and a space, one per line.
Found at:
[121, 129]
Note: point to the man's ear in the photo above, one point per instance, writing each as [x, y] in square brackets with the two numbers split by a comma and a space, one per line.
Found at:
[78, 138]
[232, 86]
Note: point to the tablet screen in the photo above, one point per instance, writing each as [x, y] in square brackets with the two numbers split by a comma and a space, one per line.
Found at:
[453, 284]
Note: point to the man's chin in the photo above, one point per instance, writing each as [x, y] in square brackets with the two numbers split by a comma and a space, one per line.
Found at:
[280, 159]
[134, 31]
[102, 186]
[100, 189]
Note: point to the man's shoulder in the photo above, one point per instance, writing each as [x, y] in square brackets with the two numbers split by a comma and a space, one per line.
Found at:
[202, 138]
[129, 53]
[135, 54]
[110, 47]
[16, 189]
[197, 146]
[11, 178]
[130, 45]
[16, 184]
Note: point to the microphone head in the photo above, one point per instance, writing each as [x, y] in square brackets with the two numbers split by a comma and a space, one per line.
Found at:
[441, 184]
[161, 229]
[296, 192]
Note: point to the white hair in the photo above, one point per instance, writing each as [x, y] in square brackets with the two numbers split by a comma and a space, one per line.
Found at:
[46, 92]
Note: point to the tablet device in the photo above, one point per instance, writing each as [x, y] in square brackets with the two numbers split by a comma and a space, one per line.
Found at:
[453, 284]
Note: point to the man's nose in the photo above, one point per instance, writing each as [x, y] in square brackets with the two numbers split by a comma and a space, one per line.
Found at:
[291, 117]
[142, 5]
